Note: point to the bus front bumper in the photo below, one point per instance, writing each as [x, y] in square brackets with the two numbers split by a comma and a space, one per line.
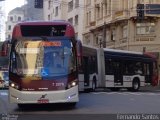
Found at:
[29, 97]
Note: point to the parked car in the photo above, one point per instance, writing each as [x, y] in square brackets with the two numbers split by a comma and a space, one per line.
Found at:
[1, 84]
[4, 79]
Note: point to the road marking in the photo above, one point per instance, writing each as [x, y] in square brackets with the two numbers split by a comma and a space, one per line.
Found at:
[135, 93]
[4, 93]
[128, 93]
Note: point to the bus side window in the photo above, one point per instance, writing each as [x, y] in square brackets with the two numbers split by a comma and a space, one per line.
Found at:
[138, 68]
[108, 66]
[92, 64]
[130, 67]
[125, 68]
[146, 69]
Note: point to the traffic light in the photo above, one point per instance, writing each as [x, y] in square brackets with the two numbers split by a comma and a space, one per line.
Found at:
[38, 3]
[140, 11]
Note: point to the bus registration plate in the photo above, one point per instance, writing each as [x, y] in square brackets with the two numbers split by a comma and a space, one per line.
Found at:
[43, 101]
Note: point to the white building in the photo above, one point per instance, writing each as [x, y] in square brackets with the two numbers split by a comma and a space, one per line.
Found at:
[2, 21]
[70, 10]
[14, 16]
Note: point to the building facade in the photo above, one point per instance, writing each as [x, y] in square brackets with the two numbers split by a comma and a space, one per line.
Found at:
[2, 21]
[14, 16]
[32, 13]
[27, 12]
[69, 10]
[114, 24]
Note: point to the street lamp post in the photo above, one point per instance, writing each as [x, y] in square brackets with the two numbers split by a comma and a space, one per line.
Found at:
[104, 35]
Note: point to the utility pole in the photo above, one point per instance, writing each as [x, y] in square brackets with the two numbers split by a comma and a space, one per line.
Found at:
[128, 26]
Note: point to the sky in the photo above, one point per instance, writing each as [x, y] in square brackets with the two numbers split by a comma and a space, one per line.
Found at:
[7, 6]
[11, 4]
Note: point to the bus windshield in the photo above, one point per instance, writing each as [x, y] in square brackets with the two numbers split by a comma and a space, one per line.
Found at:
[43, 30]
[46, 59]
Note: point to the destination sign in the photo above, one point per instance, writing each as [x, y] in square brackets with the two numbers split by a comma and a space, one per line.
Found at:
[53, 43]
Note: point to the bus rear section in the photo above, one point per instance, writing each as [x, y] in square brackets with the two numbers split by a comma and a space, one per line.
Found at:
[43, 68]
[124, 69]
[88, 73]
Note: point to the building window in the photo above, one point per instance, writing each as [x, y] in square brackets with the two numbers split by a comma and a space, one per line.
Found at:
[88, 2]
[107, 36]
[9, 27]
[49, 4]
[87, 23]
[151, 1]
[113, 34]
[98, 10]
[49, 17]
[70, 6]
[97, 40]
[11, 18]
[101, 11]
[109, 7]
[125, 31]
[88, 18]
[70, 20]
[19, 18]
[9, 36]
[56, 11]
[76, 20]
[105, 8]
[145, 28]
[76, 3]
[86, 39]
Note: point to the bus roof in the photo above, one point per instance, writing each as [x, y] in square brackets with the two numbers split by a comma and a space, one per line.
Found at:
[123, 51]
[127, 55]
[56, 22]
[43, 28]
[89, 46]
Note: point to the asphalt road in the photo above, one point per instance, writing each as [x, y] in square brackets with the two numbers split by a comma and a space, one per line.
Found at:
[95, 104]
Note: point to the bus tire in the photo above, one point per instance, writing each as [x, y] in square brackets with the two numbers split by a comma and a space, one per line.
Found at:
[94, 84]
[135, 85]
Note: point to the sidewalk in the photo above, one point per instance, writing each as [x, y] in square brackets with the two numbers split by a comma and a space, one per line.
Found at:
[150, 88]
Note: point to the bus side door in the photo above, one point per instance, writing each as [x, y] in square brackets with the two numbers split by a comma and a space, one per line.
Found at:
[86, 70]
[118, 72]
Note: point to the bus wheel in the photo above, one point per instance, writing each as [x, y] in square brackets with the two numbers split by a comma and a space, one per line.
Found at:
[135, 85]
[94, 84]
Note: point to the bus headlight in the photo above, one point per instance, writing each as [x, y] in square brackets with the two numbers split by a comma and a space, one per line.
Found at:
[14, 85]
[72, 84]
